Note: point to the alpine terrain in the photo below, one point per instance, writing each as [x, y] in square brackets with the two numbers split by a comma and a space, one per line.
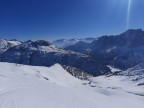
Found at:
[106, 73]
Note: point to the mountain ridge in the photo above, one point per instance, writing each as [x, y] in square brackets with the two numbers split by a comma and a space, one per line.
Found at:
[121, 51]
[43, 53]
[62, 43]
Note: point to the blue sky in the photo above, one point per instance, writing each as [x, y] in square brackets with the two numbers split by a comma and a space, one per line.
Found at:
[55, 19]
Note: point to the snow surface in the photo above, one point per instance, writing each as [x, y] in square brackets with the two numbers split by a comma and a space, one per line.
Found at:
[137, 70]
[14, 43]
[113, 70]
[24, 86]
[3, 43]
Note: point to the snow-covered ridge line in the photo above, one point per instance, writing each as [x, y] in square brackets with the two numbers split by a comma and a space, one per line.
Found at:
[55, 74]
[5, 44]
[45, 46]
[62, 43]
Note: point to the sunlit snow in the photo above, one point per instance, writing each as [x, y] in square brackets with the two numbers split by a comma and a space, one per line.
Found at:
[24, 86]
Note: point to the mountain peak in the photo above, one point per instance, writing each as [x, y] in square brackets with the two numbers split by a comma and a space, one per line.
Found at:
[134, 30]
[13, 40]
[41, 43]
[130, 31]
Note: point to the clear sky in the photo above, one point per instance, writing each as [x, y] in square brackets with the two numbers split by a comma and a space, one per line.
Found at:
[54, 19]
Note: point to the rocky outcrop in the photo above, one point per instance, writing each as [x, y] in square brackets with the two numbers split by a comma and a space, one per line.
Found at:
[77, 73]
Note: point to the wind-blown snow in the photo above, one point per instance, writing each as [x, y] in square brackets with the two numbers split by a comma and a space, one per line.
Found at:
[24, 86]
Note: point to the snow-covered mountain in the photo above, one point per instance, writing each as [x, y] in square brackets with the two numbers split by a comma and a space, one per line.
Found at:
[24, 86]
[5, 44]
[43, 53]
[121, 51]
[14, 42]
[62, 43]
[50, 77]
[137, 70]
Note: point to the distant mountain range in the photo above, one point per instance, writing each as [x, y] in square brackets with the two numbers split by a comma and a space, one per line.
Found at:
[62, 43]
[43, 53]
[121, 51]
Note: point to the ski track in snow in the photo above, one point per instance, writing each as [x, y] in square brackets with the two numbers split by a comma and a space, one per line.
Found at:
[24, 86]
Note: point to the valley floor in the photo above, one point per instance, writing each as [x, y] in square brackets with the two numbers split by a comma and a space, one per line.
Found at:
[24, 86]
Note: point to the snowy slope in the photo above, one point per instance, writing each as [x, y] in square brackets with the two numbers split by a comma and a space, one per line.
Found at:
[15, 42]
[5, 44]
[137, 70]
[24, 86]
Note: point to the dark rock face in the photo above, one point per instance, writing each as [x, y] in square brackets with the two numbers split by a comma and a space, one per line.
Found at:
[126, 39]
[43, 53]
[122, 51]
[77, 73]
[81, 47]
